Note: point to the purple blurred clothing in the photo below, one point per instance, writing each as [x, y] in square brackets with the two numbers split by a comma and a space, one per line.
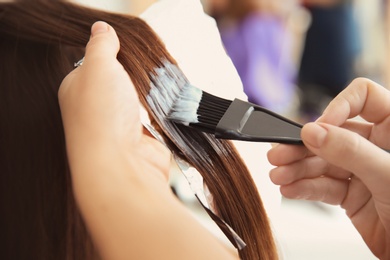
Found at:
[260, 48]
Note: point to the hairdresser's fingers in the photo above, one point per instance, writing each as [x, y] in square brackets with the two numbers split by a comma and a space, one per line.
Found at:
[362, 97]
[103, 45]
[324, 189]
[295, 163]
[308, 168]
[377, 134]
[99, 61]
[283, 154]
[350, 194]
[313, 166]
[351, 152]
[100, 92]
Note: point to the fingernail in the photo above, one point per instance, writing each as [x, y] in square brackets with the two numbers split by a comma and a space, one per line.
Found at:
[314, 134]
[98, 28]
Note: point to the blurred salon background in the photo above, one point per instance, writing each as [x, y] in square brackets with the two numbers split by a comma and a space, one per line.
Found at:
[294, 56]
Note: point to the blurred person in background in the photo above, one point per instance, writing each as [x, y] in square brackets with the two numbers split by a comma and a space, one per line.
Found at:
[331, 47]
[256, 38]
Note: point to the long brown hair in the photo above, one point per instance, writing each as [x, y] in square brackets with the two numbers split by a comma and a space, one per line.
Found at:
[39, 42]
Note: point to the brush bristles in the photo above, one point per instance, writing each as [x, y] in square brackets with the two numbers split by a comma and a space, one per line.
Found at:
[210, 111]
[172, 95]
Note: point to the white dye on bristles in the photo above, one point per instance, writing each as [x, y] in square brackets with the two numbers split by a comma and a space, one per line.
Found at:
[172, 95]
[186, 106]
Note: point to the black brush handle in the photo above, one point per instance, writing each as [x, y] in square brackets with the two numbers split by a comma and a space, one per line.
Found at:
[249, 122]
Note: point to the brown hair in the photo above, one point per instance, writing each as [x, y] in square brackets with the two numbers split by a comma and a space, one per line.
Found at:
[40, 40]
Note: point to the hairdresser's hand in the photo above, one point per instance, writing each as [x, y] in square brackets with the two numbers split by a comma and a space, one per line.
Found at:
[118, 173]
[100, 110]
[116, 169]
[344, 163]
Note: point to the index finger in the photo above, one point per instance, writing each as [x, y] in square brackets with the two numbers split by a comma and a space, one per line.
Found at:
[362, 97]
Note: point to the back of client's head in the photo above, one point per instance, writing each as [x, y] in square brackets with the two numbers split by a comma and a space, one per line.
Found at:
[39, 42]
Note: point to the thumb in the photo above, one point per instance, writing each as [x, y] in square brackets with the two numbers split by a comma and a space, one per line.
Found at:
[103, 44]
[350, 151]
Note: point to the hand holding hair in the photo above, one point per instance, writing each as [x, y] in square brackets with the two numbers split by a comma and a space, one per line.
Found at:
[119, 174]
[99, 95]
[100, 106]
[344, 162]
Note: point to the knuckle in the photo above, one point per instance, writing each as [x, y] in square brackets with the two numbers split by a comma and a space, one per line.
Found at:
[345, 147]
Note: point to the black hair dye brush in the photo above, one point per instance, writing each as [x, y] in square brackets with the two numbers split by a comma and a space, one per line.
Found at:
[235, 120]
